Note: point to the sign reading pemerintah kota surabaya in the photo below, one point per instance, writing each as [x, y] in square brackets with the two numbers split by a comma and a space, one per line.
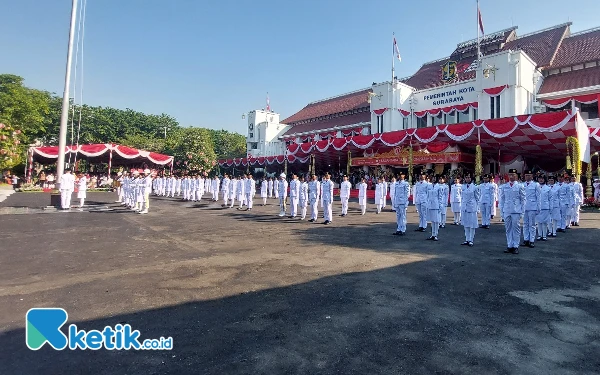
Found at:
[399, 156]
[445, 96]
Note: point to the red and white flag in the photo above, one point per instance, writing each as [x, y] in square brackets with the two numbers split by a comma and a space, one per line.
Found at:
[480, 19]
[268, 103]
[396, 50]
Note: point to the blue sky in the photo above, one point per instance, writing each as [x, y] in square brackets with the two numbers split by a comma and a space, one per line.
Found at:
[207, 62]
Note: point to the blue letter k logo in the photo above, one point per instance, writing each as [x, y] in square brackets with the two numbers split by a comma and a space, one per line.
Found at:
[43, 325]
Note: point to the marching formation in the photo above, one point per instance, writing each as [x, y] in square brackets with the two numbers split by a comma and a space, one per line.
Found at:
[537, 209]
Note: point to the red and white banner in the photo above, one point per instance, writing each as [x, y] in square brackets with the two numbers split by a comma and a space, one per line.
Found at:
[103, 149]
[495, 91]
[447, 110]
[559, 103]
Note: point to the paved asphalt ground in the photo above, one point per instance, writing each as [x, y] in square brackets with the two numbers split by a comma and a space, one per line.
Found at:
[252, 293]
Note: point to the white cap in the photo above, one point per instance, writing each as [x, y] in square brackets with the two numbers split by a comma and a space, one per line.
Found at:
[146, 171]
[282, 175]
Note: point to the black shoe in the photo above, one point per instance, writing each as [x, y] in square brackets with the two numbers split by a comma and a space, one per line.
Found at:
[492, 216]
[515, 250]
[538, 238]
[327, 222]
[508, 250]
[576, 224]
[531, 245]
[560, 230]
[422, 230]
[397, 233]
[418, 229]
[544, 239]
[402, 233]
[470, 244]
[430, 238]
[525, 243]
[434, 238]
[312, 220]
[465, 243]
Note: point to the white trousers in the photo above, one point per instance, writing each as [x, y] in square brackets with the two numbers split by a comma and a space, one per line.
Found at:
[422, 207]
[575, 217]
[469, 234]
[225, 197]
[345, 205]
[400, 218]
[65, 198]
[281, 206]
[327, 211]
[249, 200]
[486, 214]
[456, 217]
[314, 210]
[513, 229]
[363, 209]
[529, 226]
[293, 206]
[443, 215]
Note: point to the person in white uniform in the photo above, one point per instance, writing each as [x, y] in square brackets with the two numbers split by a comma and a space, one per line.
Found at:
[386, 186]
[578, 191]
[327, 198]
[487, 201]
[146, 187]
[345, 187]
[512, 205]
[264, 190]
[446, 194]
[435, 199]
[456, 200]
[420, 199]
[379, 194]
[233, 186]
[67, 185]
[276, 188]
[281, 193]
[270, 187]
[225, 186]
[303, 197]
[119, 186]
[250, 190]
[400, 204]
[565, 196]
[314, 195]
[294, 192]
[532, 209]
[215, 188]
[362, 196]
[470, 203]
[543, 218]
[554, 221]
[495, 202]
[596, 186]
[81, 189]
[393, 183]
[241, 191]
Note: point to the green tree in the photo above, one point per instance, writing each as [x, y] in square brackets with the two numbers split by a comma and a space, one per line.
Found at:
[192, 148]
[228, 145]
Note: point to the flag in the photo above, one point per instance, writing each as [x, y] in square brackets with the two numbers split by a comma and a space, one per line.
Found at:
[480, 19]
[396, 50]
[268, 103]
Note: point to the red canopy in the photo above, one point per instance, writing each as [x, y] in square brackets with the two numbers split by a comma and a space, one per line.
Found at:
[98, 153]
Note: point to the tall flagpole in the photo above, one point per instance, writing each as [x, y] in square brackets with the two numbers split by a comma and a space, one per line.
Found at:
[393, 53]
[64, 116]
[478, 40]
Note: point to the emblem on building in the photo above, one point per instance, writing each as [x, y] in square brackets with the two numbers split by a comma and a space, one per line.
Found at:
[449, 72]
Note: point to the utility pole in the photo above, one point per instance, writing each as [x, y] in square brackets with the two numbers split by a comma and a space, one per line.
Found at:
[64, 116]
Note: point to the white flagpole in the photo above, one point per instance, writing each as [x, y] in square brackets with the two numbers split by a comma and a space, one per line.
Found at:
[393, 53]
[64, 117]
[478, 40]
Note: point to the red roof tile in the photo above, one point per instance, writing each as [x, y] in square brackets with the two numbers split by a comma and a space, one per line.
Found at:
[571, 80]
[540, 46]
[430, 75]
[354, 118]
[340, 104]
[578, 48]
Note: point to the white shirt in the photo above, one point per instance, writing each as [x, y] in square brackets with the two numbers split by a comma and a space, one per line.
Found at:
[67, 182]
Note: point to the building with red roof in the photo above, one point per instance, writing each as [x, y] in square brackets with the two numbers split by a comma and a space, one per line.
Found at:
[516, 75]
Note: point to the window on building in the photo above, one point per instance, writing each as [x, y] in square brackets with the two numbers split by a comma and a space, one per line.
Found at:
[463, 116]
[380, 124]
[422, 122]
[251, 135]
[254, 145]
[437, 120]
[495, 107]
[588, 110]
[450, 118]
[405, 123]
[475, 116]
